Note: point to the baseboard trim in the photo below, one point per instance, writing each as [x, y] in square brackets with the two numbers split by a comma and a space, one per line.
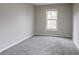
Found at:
[52, 35]
[15, 43]
[76, 45]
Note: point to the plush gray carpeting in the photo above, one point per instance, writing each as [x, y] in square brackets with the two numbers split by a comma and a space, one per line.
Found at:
[43, 45]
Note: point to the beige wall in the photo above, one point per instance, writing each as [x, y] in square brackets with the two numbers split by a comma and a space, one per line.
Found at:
[64, 21]
[16, 23]
[76, 24]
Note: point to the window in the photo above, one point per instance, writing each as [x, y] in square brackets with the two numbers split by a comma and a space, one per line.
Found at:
[51, 16]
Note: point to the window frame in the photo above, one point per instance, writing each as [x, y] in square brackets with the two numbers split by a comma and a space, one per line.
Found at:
[51, 19]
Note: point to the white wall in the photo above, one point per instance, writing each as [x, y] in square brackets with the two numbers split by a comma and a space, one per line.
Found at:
[64, 22]
[16, 23]
[76, 24]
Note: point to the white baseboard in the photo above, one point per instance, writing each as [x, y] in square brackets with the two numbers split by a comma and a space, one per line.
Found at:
[15, 43]
[76, 45]
[52, 35]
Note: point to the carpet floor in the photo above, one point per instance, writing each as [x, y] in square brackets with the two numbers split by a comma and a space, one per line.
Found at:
[43, 45]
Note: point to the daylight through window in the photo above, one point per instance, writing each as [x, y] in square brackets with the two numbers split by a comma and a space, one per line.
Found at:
[51, 19]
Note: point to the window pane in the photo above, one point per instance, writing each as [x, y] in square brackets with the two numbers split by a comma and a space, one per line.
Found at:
[51, 24]
[52, 14]
[52, 19]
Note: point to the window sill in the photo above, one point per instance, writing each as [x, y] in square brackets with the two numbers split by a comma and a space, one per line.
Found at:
[51, 29]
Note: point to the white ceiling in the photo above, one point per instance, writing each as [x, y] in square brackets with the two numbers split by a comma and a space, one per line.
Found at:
[36, 4]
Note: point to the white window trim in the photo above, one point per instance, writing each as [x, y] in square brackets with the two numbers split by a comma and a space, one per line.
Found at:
[56, 21]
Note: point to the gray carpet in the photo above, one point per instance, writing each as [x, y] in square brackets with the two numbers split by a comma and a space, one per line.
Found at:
[43, 45]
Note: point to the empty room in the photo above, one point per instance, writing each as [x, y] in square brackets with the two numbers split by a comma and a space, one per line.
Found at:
[39, 29]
